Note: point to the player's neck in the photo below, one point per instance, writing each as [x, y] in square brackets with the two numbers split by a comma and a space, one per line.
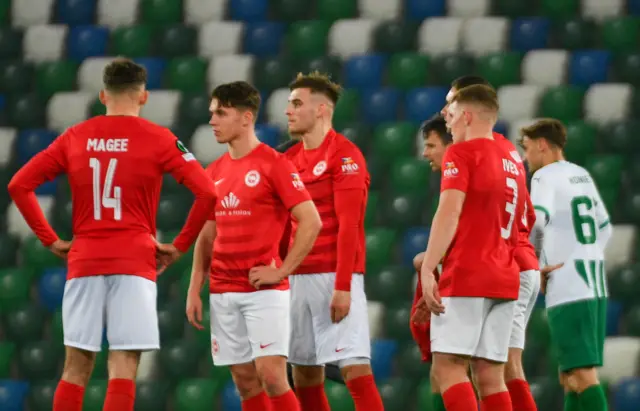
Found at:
[315, 137]
[123, 110]
[474, 133]
[551, 157]
[243, 145]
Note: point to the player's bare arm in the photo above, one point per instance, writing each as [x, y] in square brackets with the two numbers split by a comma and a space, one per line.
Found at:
[443, 229]
[309, 225]
[202, 254]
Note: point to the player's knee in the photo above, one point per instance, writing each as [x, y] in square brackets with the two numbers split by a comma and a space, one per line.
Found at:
[488, 377]
[78, 366]
[308, 375]
[353, 368]
[513, 368]
[272, 372]
[245, 377]
[449, 369]
[580, 379]
[123, 364]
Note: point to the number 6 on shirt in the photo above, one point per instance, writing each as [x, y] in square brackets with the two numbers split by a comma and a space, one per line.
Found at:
[510, 208]
[102, 198]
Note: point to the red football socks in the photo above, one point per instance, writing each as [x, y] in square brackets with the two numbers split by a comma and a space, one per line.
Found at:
[286, 402]
[500, 401]
[521, 397]
[258, 403]
[461, 397]
[68, 397]
[121, 395]
[365, 394]
[313, 398]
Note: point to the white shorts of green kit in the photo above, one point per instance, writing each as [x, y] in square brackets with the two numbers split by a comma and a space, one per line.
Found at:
[527, 296]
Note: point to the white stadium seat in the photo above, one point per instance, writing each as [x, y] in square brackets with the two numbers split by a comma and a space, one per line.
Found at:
[15, 222]
[233, 67]
[605, 103]
[621, 355]
[483, 35]
[25, 13]
[545, 67]
[515, 127]
[519, 102]
[275, 107]
[468, 8]
[44, 43]
[117, 13]
[199, 12]
[375, 310]
[440, 35]
[204, 145]
[217, 38]
[162, 107]
[602, 9]
[7, 140]
[351, 37]
[90, 73]
[620, 247]
[380, 9]
[66, 109]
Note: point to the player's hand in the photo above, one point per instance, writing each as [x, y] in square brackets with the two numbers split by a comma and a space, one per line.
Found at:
[544, 275]
[265, 275]
[166, 254]
[60, 248]
[422, 314]
[430, 293]
[340, 305]
[194, 309]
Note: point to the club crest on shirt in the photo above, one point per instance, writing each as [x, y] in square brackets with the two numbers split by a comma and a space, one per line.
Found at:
[349, 166]
[297, 182]
[252, 178]
[450, 169]
[320, 168]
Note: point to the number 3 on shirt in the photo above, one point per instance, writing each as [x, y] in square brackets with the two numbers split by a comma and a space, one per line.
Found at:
[102, 198]
[510, 208]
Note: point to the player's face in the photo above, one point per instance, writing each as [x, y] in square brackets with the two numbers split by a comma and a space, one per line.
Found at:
[457, 121]
[302, 111]
[434, 149]
[227, 122]
[532, 153]
[444, 110]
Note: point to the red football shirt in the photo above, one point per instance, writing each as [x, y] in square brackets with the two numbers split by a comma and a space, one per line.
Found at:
[525, 254]
[479, 261]
[337, 165]
[115, 166]
[254, 195]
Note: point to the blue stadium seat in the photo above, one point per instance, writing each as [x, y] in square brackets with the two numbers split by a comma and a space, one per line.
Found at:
[588, 67]
[269, 135]
[13, 394]
[32, 141]
[3, 102]
[381, 105]
[263, 39]
[76, 12]
[48, 188]
[51, 288]
[421, 103]
[633, 7]
[627, 395]
[155, 71]
[249, 10]
[364, 72]
[230, 398]
[87, 41]
[529, 33]
[262, 114]
[614, 314]
[420, 9]
[414, 242]
[382, 355]
[502, 128]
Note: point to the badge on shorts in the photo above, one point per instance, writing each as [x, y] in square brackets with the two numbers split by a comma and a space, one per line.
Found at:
[320, 168]
[252, 178]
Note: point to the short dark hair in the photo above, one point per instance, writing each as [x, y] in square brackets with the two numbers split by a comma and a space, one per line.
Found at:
[238, 94]
[123, 74]
[550, 129]
[437, 124]
[478, 94]
[471, 80]
[318, 83]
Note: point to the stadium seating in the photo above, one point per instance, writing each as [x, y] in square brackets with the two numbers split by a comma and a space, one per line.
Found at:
[575, 60]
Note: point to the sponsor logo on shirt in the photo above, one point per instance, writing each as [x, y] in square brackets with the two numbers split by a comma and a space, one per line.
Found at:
[252, 178]
[349, 166]
[230, 201]
[450, 170]
[320, 168]
[297, 182]
[230, 204]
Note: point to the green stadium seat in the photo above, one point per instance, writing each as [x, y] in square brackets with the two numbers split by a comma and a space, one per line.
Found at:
[196, 395]
[378, 171]
[272, 72]
[390, 284]
[56, 331]
[425, 396]
[563, 103]
[8, 250]
[14, 289]
[178, 40]
[626, 67]
[395, 36]
[397, 322]
[15, 77]
[172, 210]
[97, 109]
[193, 110]
[511, 8]
[332, 10]
[410, 175]
[410, 363]
[94, 395]
[581, 141]
[359, 134]
[132, 41]
[56, 76]
[547, 393]
[221, 375]
[7, 352]
[500, 69]
[152, 395]
[171, 320]
[41, 395]
[538, 327]
[379, 243]
[10, 43]
[402, 210]
[330, 65]
[24, 323]
[560, 9]
[180, 359]
[395, 140]
[409, 70]
[632, 321]
[372, 207]
[449, 67]
[621, 137]
[396, 393]
[100, 369]
[187, 74]
[338, 396]
[606, 169]
[161, 11]
[26, 111]
[290, 10]
[40, 360]
[574, 34]
[37, 257]
[624, 284]
[5, 12]
[347, 110]
[621, 34]
[631, 210]
[308, 39]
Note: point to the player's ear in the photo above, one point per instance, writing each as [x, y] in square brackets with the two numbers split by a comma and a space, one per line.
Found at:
[144, 96]
[103, 97]
[247, 117]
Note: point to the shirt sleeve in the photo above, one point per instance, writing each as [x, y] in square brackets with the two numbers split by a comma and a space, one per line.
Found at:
[455, 170]
[287, 184]
[349, 169]
[542, 197]
[348, 205]
[210, 171]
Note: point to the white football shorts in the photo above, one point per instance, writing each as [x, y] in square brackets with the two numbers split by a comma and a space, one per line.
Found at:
[473, 326]
[125, 304]
[245, 326]
[315, 339]
[527, 296]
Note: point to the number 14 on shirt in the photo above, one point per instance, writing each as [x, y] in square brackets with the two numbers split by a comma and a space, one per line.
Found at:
[103, 197]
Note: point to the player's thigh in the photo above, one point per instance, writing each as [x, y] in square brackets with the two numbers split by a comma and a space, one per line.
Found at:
[529, 288]
[349, 339]
[229, 336]
[131, 313]
[302, 344]
[576, 335]
[458, 329]
[83, 307]
[496, 331]
[266, 314]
